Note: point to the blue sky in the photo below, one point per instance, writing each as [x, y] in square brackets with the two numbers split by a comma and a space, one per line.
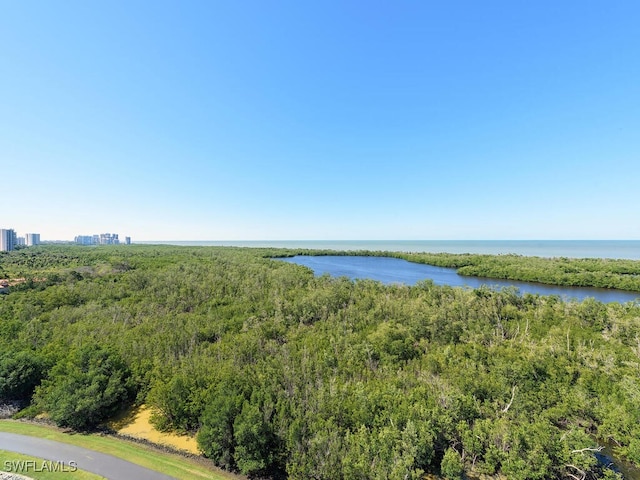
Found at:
[258, 120]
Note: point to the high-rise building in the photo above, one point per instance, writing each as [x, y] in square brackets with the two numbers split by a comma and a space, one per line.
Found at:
[84, 239]
[108, 239]
[32, 239]
[101, 239]
[7, 239]
[127, 240]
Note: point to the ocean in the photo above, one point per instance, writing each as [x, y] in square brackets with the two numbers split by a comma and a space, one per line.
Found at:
[623, 249]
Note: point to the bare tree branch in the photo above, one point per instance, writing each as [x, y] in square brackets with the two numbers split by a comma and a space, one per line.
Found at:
[587, 449]
[580, 471]
[513, 395]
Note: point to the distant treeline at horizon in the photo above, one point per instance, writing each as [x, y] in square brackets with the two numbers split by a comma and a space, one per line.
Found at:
[621, 249]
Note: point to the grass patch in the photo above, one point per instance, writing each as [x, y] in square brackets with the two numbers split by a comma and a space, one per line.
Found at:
[14, 463]
[170, 464]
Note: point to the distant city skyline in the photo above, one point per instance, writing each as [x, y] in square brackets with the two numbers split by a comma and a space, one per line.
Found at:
[10, 239]
[292, 120]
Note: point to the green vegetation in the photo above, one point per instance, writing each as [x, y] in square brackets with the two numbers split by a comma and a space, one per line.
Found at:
[175, 465]
[576, 272]
[285, 374]
[89, 387]
[20, 373]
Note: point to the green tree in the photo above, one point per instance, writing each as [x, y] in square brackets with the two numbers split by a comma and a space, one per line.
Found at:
[255, 451]
[86, 388]
[216, 435]
[172, 399]
[20, 373]
[451, 466]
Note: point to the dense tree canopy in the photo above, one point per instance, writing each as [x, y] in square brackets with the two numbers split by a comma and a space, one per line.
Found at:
[20, 373]
[86, 388]
[281, 373]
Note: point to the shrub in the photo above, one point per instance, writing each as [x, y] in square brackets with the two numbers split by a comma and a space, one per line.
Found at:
[86, 388]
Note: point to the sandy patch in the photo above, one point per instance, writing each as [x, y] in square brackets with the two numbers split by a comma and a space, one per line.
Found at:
[136, 423]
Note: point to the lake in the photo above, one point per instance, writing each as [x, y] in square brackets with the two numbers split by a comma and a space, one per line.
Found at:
[394, 270]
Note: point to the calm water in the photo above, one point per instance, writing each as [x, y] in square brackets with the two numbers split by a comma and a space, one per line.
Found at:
[395, 270]
[629, 249]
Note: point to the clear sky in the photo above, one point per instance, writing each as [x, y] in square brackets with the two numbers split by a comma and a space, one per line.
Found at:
[259, 120]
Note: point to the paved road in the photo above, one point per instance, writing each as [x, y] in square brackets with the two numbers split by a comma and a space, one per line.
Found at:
[102, 464]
